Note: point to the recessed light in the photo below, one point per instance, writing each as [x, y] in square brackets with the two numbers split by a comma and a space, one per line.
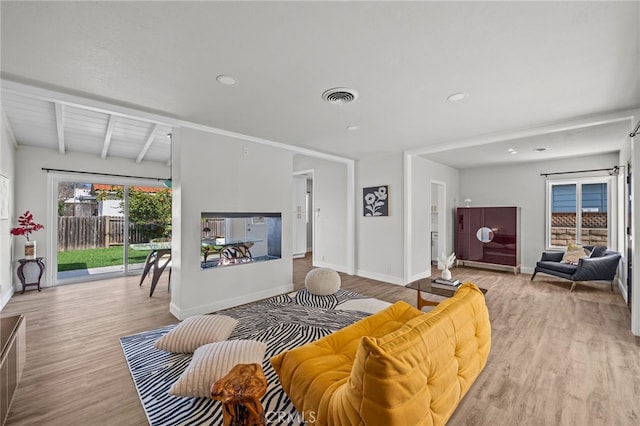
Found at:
[353, 128]
[457, 96]
[226, 80]
[511, 150]
[540, 149]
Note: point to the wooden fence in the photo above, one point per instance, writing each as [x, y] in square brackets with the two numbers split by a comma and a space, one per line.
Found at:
[86, 232]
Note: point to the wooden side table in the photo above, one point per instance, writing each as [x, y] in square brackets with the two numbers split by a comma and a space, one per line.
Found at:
[240, 392]
[21, 275]
[424, 284]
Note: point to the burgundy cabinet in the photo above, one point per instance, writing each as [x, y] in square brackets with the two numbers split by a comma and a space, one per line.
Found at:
[488, 236]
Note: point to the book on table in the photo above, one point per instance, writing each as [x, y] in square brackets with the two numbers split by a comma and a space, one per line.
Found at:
[451, 284]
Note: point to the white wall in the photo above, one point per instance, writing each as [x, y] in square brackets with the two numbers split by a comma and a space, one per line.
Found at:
[212, 174]
[330, 210]
[422, 173]
[380, 240]
[7, 268]
[521, 185]
[31, 189]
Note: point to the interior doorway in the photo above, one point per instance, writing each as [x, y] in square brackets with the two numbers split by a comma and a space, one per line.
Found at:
[303, 218]
[438, 203]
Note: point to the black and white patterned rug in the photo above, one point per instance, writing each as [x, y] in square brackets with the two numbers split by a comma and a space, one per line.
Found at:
[282, 322]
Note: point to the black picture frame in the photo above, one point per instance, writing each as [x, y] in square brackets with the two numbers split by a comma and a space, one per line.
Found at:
[375, 201]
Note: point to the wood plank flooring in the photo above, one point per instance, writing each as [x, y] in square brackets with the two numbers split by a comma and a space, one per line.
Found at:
[557, 358]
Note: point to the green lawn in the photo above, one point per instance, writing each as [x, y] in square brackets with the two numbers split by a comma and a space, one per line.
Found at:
[95, 258]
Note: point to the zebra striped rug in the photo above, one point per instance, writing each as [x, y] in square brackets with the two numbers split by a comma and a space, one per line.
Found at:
[282, 322]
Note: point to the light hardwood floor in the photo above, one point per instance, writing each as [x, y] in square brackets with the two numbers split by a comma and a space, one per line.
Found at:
[557, 358]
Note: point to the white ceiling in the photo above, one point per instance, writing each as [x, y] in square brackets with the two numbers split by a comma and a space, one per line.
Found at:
[591, 140]
[525, 65]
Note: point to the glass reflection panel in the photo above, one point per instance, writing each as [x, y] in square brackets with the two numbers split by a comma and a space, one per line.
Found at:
[229, 239]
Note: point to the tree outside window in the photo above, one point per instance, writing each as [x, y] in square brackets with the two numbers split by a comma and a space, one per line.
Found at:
[149, 211]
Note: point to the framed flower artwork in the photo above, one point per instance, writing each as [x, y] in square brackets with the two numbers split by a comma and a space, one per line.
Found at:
[375, 201]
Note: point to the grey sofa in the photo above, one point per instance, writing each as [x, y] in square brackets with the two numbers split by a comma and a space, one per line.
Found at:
[601, 266]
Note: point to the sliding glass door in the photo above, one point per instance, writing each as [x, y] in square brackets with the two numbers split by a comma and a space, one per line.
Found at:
[90, 230]
[99, 222]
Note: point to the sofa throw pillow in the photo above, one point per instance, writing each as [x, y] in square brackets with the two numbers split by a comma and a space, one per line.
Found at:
[574, 253]
[212, 362]
[599, 251]
[196, 331]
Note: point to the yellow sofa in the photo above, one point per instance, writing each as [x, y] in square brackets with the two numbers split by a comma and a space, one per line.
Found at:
[399, 366]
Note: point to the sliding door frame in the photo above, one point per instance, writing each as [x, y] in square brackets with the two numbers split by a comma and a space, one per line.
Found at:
[53, 180]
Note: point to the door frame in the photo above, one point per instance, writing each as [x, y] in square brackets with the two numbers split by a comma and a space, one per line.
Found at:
[441, 207]
[310, 174]
[628, 233]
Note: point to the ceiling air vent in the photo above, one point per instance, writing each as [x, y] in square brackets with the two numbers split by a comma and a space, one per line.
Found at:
[340, 95]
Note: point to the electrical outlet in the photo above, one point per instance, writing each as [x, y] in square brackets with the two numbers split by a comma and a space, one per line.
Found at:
[245, 151]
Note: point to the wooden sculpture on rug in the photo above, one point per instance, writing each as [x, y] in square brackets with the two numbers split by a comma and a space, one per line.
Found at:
[240, 392]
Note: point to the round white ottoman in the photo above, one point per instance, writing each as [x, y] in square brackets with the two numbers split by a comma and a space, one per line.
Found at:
[322, 281]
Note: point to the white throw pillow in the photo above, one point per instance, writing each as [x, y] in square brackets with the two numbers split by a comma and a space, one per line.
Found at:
[196, 331]
[212, 362]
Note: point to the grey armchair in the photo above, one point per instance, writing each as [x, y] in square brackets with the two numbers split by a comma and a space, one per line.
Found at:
[601, 266]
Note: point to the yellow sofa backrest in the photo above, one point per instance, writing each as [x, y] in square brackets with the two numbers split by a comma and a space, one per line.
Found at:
[309, 372]
[417, 374]
[396, 367]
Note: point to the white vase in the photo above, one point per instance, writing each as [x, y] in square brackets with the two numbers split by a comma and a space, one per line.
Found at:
[30, 250]
[446, 274]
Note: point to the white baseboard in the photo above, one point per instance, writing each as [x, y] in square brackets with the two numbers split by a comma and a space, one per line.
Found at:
[623, 290]
[421, 275]
[228, 303]
[338, 268]
[174, 310]
[526, 270]
[380, 277]
[6, 297]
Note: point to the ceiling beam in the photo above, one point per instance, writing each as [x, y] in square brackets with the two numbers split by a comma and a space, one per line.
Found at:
[147, 145]
[60, 126]
[121, 111]
[107, 136]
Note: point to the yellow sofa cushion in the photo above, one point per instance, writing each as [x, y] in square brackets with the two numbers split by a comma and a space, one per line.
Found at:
[413, 369]
[308, 371]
